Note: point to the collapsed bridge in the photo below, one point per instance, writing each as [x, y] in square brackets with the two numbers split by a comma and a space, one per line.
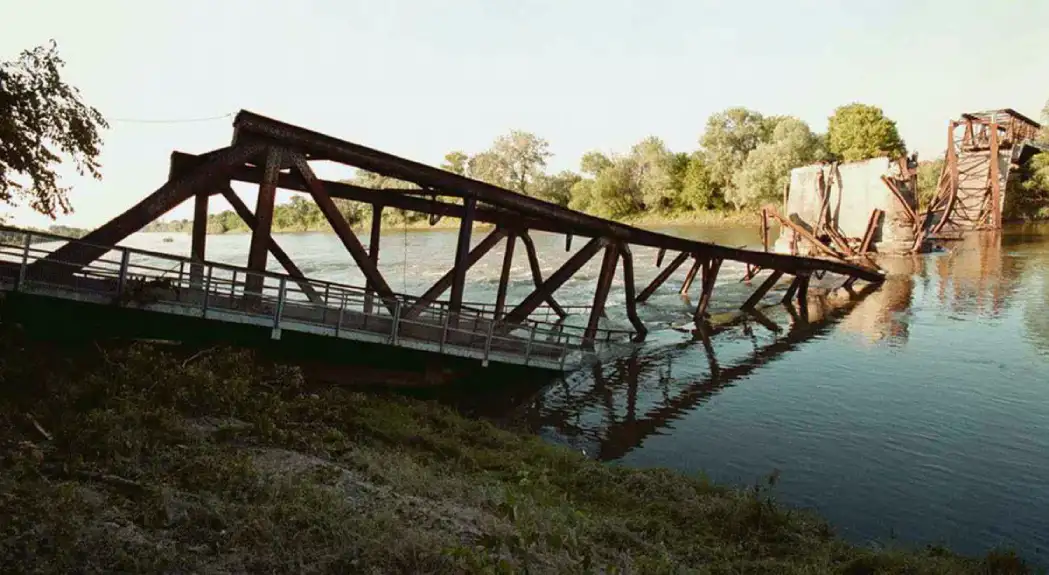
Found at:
[274, 154]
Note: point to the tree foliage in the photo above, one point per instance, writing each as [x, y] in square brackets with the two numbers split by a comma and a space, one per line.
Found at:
[729, 137]
[858, 132]
[43, 119]
[929, 180]
[766, 170]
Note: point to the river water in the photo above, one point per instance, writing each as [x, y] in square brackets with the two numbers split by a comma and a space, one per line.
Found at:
[918, 413]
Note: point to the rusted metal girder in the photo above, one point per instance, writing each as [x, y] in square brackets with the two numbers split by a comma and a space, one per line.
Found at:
[557, 279]
[447, 280]
[344, 231]
[293, 270]
[197, 249]
[604, 285]
[662, 277]
[628, 287]
[398, 199]
[504, 276]
[763, 289]
[253, 127]
[537, 272]
[215, 168]
[996, 188]
[261, 234]
[710, 276]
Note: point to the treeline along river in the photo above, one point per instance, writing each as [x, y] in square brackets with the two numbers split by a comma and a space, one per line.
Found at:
[919, 413]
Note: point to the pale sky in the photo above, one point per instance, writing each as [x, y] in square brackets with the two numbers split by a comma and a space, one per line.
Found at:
[419, 78]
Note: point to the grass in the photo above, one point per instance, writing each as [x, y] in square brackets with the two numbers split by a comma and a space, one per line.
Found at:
[130, 458]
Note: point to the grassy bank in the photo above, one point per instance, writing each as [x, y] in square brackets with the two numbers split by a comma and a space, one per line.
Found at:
[133, 459]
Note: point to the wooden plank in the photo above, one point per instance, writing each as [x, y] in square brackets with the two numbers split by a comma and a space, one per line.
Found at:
[556, 280]
[293, 270]
[763, 289]
[504, 275]
[344, 232]
[446, 281]
[662, 277]
[628, 288]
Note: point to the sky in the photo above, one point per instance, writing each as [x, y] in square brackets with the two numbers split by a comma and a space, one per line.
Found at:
[420, 78]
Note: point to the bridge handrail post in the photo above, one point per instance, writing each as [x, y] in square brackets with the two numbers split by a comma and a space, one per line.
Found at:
[25, 261]
[528, 348]
[488, 342]
[444, 329]
[564, 353]
[342, 307]
[125, 258]
[327, 294]
[207, 292]
[181, 271]
[279, 311]
[396, 322]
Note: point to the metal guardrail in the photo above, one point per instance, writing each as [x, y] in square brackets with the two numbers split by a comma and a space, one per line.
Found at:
[174, 284]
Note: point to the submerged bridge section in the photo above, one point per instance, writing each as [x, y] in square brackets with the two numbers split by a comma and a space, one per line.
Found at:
[274, 155]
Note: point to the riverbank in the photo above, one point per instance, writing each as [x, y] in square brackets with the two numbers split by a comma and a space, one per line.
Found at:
[137, 459]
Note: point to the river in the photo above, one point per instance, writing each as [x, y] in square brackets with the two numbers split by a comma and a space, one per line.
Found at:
[918, 414]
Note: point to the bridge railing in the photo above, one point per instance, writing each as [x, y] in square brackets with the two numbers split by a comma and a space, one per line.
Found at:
[129, 276]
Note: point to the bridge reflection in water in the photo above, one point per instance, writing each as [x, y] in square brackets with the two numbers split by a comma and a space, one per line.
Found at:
[613, 408]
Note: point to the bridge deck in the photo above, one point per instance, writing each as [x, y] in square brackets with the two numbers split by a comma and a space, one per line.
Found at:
[175, 285]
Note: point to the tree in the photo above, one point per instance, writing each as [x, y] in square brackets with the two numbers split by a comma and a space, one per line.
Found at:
[858, 132]
[556, 188]
[456, 162]
[515, 161]
[653, 175]
[697, 190]
[766, 170]
[729, 137]
[41, 119]
[593, 163]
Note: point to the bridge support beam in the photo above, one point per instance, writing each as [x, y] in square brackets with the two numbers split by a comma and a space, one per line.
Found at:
[462, 252]
[628, 288]
[281, 256]
[200, 234]
[604, 285]
[544, 291]
[691, 277]
[763, 289]
[260, 236]
[504, 276]
[373, 252]
[344, 231]
[215, 166]
[537, 273]
[662, 277]
[448, 279]
[710, 276]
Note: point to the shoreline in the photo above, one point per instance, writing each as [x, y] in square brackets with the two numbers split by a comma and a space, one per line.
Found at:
[701, 219]
[150, 459]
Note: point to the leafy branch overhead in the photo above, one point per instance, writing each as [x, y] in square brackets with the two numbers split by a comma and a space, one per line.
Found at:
[42, 120]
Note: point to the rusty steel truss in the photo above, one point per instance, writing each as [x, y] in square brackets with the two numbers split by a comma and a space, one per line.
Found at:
[273, 154]
[971, 188]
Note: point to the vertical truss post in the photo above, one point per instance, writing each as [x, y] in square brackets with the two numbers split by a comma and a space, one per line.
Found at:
[691, 274]
[537, 272]
[373, 252]
[996, 189]
[462, 251]
[628, 286]
[200, 235]
[604, 285]
[765, 229]
[710, 276]
[504, 276]
[260, 236]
